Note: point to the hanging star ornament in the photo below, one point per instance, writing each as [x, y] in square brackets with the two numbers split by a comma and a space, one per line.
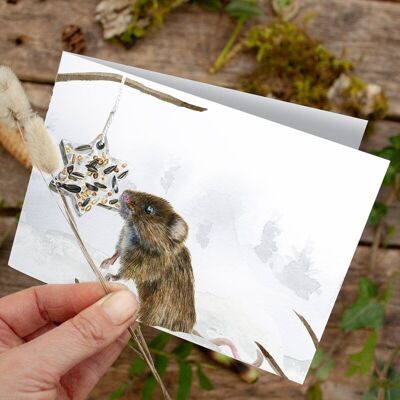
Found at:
[90, 175]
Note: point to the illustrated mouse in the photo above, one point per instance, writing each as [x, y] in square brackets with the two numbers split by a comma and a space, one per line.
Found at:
[153, 254]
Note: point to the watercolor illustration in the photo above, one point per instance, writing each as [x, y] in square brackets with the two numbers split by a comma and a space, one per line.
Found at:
[152, 253]
[225, 240]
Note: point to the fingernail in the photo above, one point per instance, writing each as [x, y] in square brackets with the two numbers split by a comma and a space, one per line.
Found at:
[120, 306]
[117, 286]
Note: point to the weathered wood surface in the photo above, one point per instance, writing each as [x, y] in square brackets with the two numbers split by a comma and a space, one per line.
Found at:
[191, 38]
[189, 41]
[13, 180]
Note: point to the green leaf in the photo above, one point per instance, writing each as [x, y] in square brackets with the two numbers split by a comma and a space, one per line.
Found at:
[369, 315]
[137, 367]
[119, 392]
[391, 231]
[314, 392]
[362, 361]
[184, 381]
[391, 174]
[390, 153]
[324, 371]
[372, 394]
[160, 341]
[366, 312]
[395, 141]
[379, 210]
[366, 289]
[386, 294]
[322, 365]
[150, 384]
[204, 382]
[284, 3]
[390, 234]
[244, 9]
[148, 388]
[391, 385]
[393, 154]
[183, 350]
[214, 5]
[318, 358]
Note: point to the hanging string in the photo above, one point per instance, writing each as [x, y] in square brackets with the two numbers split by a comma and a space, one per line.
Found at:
[113, 110]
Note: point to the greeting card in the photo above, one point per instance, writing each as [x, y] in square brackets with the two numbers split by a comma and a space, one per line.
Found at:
[234, 228]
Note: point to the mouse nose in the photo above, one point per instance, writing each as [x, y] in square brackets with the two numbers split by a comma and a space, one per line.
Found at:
[126, 198]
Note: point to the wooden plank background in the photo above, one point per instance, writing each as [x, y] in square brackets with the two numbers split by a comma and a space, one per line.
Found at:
[367, 31]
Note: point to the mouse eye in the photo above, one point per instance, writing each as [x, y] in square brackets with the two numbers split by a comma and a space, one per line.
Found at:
[149, 209]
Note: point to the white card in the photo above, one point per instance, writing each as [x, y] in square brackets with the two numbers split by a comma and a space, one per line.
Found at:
[274, 214]
[328, 125]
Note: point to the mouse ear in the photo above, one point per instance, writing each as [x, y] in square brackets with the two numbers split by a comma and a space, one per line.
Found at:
[178, 229]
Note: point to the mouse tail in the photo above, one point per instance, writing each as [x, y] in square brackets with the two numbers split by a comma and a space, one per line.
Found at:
[235, 353]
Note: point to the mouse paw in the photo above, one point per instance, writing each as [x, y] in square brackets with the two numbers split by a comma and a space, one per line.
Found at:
[111, 277]
[106, 263]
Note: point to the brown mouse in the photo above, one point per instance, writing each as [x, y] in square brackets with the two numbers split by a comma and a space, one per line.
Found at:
[153, 254]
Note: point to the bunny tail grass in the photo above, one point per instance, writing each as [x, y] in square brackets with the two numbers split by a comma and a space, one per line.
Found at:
[16, 112]
[14, 143]
[40, 145]
[14, 105]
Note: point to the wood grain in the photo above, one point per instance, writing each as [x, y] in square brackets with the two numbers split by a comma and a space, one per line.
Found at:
[191, 38]
[13, 180]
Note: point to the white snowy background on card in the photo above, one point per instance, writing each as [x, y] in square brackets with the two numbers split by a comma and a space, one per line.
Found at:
[274, 214]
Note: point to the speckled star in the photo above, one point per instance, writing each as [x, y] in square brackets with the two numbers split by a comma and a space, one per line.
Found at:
[90, 175]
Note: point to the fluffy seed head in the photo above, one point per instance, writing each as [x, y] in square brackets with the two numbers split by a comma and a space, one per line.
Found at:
[40, 145]
[14, 105]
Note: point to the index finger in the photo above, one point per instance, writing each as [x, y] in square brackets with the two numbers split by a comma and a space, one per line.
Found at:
[29, 310]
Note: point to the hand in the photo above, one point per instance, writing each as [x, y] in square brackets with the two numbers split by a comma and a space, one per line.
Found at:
[56, 341]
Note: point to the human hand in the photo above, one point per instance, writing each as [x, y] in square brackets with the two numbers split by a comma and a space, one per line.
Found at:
[56, 341]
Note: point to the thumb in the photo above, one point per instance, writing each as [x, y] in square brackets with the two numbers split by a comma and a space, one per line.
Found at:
[84, 335]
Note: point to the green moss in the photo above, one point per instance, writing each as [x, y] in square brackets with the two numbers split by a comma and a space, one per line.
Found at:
[146, 15]
[381, 106]
[357, 101]
[295, 67]
[356, 86]
[292, 66]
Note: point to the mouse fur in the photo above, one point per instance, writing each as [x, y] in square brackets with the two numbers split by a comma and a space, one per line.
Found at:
[153, 254]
